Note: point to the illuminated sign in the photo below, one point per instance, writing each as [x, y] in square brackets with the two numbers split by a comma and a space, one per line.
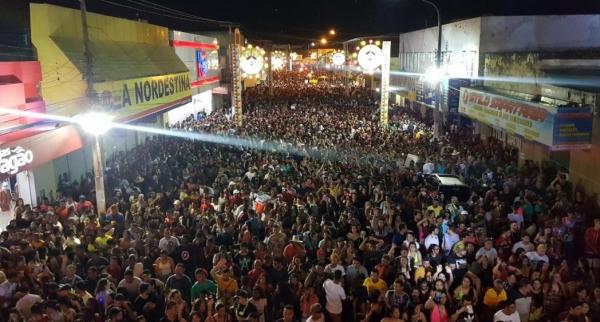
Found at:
[338, 59]
[278, 60]
[370, 57]
[13, 159]
[201, 63]
[252, 61]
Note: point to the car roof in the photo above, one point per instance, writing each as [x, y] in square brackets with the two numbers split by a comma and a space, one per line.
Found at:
[449, 180]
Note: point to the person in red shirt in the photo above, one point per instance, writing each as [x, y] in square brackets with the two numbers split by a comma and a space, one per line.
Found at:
[592, 244]
[62, 211]
[256, 271]
[294, 248]
[83, 205]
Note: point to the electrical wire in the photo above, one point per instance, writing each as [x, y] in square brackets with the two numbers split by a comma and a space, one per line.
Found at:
[159, 7]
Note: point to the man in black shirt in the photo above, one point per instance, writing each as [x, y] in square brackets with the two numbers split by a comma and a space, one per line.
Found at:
[288, 314]
[146, 304]
[179, 281]
[243, 308]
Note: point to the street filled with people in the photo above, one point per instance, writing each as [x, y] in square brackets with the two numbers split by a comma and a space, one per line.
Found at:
[326, 216]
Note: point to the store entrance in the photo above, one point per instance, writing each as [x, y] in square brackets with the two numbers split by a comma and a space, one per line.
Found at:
[17, 187]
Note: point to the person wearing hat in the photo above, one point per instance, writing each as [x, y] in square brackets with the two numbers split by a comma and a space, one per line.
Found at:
[83, 205]
[243, 308]
[295, 248]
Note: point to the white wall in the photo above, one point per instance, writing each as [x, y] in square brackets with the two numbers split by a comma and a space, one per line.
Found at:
[539, 33]
[460, 47]
[200, 102]
[45, 179]
[26, 186]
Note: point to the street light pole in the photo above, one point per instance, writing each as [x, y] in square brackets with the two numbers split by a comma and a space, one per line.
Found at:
[96, 124]
[98, 176]
[437, 115]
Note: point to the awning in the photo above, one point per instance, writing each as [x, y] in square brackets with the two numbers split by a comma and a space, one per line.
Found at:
[114, 60]
[45, 147]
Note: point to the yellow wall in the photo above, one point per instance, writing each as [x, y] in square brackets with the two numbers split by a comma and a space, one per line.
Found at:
[63, 85]
[585, 164]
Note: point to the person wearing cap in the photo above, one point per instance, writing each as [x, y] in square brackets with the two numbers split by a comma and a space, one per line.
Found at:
[83, 205]
[243, 308]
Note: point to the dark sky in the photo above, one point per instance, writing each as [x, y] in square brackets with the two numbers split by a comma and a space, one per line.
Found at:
[301, 21]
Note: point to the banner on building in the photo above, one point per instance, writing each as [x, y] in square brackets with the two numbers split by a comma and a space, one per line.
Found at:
[385, 84]
[559, 128]
[126, 98]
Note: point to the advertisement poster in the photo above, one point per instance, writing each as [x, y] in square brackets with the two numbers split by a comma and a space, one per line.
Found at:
[559, 128]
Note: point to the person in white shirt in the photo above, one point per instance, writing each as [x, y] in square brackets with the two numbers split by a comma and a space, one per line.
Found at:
[433, 238]
[428, 167]
[168, 243]
[335, 294]
[524, 244]
[508, 313]
[538, 256]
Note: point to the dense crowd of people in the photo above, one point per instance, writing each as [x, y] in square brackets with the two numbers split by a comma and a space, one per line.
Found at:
[321, 220]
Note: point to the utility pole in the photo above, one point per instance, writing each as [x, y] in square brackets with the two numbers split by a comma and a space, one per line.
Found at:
[344, 67]
[270, 69]
[90, 93]
[437, 114]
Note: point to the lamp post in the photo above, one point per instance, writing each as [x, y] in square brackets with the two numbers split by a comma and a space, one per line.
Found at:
[437, 116]
[96, 124]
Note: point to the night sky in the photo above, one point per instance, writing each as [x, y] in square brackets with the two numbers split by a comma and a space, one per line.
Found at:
[300, 22]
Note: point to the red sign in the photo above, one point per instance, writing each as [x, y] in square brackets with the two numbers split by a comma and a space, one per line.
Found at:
[19, 89]
[46, 146]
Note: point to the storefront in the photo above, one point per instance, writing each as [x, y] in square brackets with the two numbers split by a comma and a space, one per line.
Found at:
[27, 143]
[200, 54]
[540, 132]
[135, 74]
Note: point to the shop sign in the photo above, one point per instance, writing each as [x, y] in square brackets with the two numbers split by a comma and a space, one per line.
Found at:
[11, 160]
[558, 128]
[131, 96]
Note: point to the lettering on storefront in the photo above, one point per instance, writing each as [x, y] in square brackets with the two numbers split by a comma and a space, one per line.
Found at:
[152, 89]
[503, 105]
[11, 160]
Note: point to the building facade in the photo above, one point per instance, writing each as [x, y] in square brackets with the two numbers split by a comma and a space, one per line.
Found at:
[522, 79]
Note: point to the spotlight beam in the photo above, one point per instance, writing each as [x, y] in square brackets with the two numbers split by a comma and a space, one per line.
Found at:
[280, 146]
